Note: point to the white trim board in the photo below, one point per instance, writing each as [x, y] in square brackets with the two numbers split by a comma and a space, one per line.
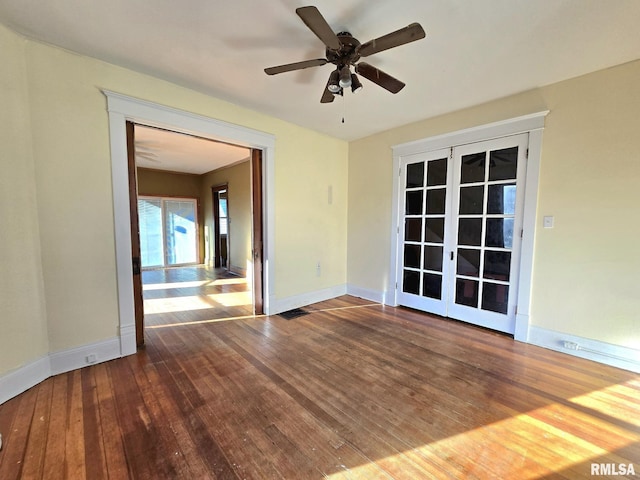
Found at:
[123, 108]
[304, 299]
[601, 352]
[22, 379]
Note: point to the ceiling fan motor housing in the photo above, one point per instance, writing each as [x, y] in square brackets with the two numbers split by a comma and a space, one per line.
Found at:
[348, 52]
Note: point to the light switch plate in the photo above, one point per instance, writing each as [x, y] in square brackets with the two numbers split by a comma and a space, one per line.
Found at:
[547, 221]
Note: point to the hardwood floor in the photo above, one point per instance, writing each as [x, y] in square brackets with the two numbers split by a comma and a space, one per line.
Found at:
[350, 390]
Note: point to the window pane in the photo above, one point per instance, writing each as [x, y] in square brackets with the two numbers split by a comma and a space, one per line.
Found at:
[413, 229]
[467, 292]
[411, 282]
[502, 199]
[433, 258]
[434, 230]
[470, 231]
[499, 233]
[471, 200]
[414, 203]
[473, 168]
[468, 263]
[432, 286]
[412, 256]
[503, 164]
[437, 172]
[150, 218]
[180, 232]
[497, 265]
[415, 175]
[436, 201]
[495, 297]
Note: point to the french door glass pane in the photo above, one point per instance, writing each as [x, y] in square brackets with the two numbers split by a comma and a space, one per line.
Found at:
[472, 169]
[412, 256]
[415, 175]
[432, 286]
[414, 203]
[467, 292]
[150, 219]
[180, 231]
[411, 282]
[471, 200]
[433, 258]
[503, 164]
[495, 297]
[436, 201]
[499, 233]
[413, 229]
[437, 173]
[468, 263]
[434, 230]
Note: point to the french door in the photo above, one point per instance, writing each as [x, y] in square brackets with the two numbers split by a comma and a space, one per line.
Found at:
[460, 229]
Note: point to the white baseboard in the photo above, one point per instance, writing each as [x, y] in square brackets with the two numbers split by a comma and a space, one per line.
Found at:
[85, 355]
[601, 352]
[367, 294]
[288, 303]
[22, 379]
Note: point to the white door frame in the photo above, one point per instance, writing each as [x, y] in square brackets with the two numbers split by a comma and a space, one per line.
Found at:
[532, 124]
[123, 108]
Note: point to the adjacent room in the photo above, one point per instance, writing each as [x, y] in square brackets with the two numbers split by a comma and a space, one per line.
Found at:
[342, 240]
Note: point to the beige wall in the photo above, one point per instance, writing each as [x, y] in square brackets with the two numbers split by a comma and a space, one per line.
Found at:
[585, 268]
[23, 328]
[238, 179]
[60, 151]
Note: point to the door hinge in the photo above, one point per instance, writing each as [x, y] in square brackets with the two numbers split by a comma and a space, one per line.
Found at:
[527, 154]
[521, 233]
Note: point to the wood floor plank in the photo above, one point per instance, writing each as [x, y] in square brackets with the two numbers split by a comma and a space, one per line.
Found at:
[352, 390]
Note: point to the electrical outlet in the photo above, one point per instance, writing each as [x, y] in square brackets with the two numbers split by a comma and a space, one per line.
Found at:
[91, 358]
[570, 345]
[318, 269]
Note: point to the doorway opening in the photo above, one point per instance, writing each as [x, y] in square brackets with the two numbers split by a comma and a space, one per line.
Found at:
[122, 109]
[171, 227]
[221, 226]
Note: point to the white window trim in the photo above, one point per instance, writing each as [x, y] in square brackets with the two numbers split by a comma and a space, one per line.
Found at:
[532, 124]
[123, 108]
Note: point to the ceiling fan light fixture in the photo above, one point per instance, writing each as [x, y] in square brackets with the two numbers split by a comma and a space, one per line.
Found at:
[356, 86]
[345, 77]
[333, 86]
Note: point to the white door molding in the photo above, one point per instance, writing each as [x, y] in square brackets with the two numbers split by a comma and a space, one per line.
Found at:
[123, 108]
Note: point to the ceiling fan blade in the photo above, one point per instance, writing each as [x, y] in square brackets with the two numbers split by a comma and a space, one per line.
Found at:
[327, 96]
[289, 67]
[377, 76]
[313, 19]
[408, 34]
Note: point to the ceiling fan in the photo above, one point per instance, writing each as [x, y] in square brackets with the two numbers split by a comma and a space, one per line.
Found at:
[345, 51]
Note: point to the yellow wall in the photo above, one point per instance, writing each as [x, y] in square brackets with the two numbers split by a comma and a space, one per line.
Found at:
[238, 179]
[23, 328]
[585, 268]
[63, 155]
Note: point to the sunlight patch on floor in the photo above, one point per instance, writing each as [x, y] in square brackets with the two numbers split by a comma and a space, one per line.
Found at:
[167, 286]
[525, 446]
[196, 302]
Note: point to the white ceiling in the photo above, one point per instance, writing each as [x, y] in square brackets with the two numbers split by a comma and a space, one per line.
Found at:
[177, 152]
[475, 50]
